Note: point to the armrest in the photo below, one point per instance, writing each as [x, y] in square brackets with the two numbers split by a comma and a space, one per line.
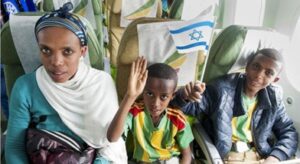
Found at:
[206, 144]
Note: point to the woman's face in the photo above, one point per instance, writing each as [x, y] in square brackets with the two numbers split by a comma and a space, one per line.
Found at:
[60, 52]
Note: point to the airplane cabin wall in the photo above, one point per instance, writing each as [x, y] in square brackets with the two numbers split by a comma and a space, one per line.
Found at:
[285, 21]
[248, 13]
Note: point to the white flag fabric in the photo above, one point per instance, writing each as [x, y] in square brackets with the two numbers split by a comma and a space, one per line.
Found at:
[134, 9]
[157, 46]
[192, 35]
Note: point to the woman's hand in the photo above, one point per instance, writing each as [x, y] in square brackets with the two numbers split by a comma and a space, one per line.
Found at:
[137, 78]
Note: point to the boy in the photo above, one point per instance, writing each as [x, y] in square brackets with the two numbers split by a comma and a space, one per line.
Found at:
[245, 112]
[160, 133]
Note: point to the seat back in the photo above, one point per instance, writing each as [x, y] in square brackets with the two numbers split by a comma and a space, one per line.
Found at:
[176, 9]
[229, 53]
[128, 52]
[159, 44]
[115, 31]
[10, 58]
[233, 45]
[129, 48]
[123, 48]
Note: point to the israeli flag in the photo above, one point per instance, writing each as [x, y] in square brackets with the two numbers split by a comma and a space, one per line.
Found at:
[192, 35]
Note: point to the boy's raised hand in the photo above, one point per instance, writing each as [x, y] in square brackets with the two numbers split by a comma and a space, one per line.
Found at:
[193, 90]
[138, 77]
[136, 83]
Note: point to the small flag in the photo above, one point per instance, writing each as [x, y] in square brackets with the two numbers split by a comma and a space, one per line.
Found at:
[157, 46]
[192, 35]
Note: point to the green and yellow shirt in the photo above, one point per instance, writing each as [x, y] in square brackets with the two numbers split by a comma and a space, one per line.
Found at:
[241, 126]
[157, 143]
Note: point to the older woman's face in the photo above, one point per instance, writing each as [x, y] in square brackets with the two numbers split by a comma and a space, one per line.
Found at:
[60, 52]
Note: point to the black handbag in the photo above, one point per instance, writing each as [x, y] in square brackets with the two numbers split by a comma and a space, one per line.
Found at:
[44, 146]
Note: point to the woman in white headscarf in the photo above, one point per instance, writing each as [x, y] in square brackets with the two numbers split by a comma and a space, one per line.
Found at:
[60, 113]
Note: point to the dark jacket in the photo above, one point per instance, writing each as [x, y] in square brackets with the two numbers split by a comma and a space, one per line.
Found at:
[222, 101]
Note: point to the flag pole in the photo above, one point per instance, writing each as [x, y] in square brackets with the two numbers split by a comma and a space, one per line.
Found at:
[208, 51]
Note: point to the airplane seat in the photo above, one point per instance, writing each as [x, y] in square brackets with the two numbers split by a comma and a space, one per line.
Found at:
[233, 45]
[127, 53]
[115, 31]
[20, 53]
[123, 47]
[20, 56]
[228, 54]
[176, 9]
[128, 45]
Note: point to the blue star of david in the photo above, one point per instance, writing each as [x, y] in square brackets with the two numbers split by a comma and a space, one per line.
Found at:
[196, 35]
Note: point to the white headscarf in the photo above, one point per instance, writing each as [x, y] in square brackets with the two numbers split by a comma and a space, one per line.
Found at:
[86, 104]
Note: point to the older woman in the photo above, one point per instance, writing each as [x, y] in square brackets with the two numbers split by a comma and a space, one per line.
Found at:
[60, 113]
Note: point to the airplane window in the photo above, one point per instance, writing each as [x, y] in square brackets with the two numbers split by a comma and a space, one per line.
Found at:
[293, 58]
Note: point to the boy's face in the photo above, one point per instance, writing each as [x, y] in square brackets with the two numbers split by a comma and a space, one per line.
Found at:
[157, 95]
[261, 72]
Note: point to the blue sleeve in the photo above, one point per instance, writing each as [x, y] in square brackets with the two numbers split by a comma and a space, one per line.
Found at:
[285, 132]
[18, 122]
[196, 108]
[204, 106]
[178, 101]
